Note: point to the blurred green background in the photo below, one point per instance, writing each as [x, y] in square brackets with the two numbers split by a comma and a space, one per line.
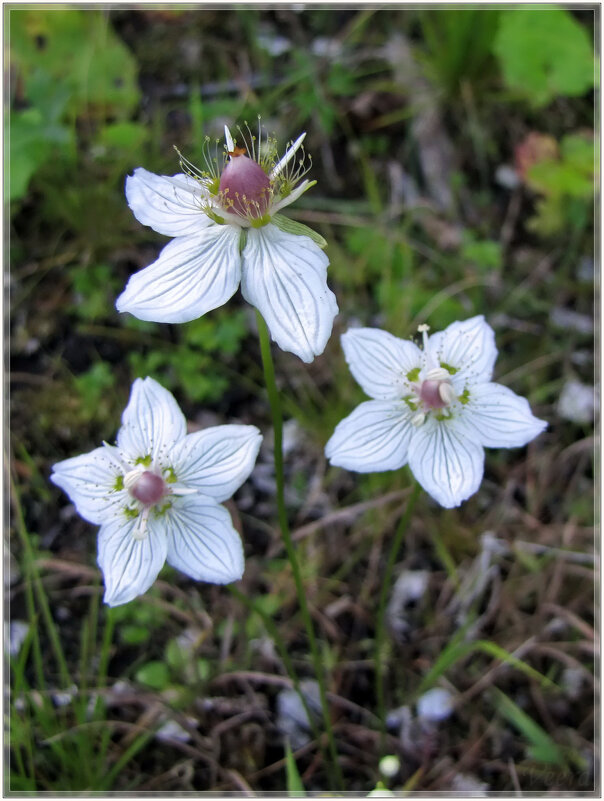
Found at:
[456, 163]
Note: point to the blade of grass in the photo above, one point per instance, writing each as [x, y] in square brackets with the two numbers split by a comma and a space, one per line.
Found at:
[456, 650]
[295, 788]
[543, 748]
[33, 576]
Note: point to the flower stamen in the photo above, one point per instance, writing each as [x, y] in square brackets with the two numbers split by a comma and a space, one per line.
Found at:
[140, 529]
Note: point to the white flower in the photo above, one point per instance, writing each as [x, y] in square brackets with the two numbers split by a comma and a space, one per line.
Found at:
[227, 231]
[157, 495]
[435, 409]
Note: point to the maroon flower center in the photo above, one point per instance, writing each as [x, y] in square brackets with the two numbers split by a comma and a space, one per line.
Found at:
[430, 394]
[245, 187]
[149, 488]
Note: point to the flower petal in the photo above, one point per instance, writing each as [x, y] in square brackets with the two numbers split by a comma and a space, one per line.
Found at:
[130, 566]
[467, 346]
[202, 542]
[90, 481]
[373, 438]
[218, 460]
[285, 277]
[170, 204]
[446, 460]
[151, 423]
[193, 275]
[501, 418]
[380, 361]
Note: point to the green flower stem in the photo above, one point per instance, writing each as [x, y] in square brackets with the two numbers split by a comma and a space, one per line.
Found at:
[275, 403]
[380, 632]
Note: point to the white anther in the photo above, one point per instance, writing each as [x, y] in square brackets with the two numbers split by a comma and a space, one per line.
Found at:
[182, 491]
[445, 390]
[423, 327]
[418, 419]
[437, 374]
[132, 476]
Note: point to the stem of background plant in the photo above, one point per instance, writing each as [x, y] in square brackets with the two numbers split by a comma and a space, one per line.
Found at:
[380, 631]
[275, 404]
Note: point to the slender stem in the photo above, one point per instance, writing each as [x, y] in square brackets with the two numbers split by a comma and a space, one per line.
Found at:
[275, 404]
[380, 632]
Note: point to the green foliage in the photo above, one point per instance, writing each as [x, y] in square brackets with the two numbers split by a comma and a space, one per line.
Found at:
[459, 45]
[567, 185]
[94, 290]
[154, 674]
[124, 137]
[35, 134]
[483, 253]
[192, 363]
[544, 52]
[70, 66]
[79, 50]
[91, 388]
[318, 84]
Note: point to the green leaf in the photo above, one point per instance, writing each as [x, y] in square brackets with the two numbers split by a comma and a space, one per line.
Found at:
[80, 50]
[124, 135]
[153, 674]
[544, 52]
[299, 229]
[294, 782]
[33, 140]
[134, 635]
[484, 253]
[542, 748]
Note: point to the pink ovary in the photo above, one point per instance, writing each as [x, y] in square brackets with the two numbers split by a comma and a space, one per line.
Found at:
[430, 395]
[245, 187]
[149, 489]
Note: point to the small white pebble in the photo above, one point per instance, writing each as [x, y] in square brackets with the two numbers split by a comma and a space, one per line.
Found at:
[568, 318]
[17, 633]
[171, 730]
[507, 177]
[435, 705]
[577, 402]
[469, 785]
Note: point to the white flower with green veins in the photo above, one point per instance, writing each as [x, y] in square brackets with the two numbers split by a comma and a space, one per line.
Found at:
[157, 495]
[435, 408]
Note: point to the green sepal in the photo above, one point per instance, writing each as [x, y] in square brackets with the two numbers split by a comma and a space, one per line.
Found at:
[298, 229]
[242, 240]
